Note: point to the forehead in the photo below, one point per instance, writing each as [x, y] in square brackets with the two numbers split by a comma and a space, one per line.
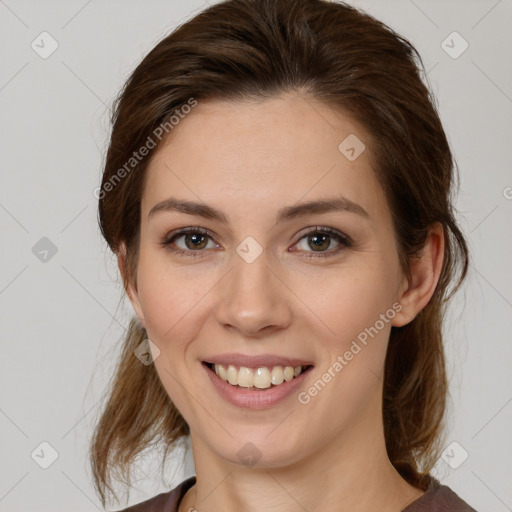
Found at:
[265, 152]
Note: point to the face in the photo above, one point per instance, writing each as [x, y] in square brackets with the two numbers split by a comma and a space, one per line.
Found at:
[260, 275]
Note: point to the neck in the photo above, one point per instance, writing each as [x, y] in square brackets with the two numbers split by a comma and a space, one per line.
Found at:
[349, 472]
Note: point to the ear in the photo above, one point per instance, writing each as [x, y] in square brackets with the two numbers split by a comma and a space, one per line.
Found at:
[129, 286]
[416, 292]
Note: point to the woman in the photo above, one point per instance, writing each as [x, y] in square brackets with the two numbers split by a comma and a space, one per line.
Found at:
[277, 191]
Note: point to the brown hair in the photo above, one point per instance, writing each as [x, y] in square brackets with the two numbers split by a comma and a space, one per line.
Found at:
[242, 49]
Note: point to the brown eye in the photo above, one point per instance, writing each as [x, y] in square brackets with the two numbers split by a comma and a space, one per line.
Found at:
[188, 242]
[320, 240]
[195, 241]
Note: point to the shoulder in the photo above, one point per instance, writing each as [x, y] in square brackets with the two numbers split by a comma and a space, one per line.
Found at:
[164, 502]
[439, 498]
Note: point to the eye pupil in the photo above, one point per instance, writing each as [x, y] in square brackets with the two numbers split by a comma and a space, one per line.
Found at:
[319, 241]
[194, 237]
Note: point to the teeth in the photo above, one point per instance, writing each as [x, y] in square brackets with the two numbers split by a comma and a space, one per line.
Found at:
[245, 377]
[261, 377]
[277, 375]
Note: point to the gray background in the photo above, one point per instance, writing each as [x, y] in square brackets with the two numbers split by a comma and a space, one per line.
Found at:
[62, 321]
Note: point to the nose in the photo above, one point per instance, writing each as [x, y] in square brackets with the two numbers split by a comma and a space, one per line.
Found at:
[253, 299]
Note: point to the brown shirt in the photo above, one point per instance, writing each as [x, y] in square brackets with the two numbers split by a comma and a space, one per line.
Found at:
[438, 498]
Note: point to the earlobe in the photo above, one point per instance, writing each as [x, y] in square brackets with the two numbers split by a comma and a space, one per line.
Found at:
[425, 271]
[130, 288]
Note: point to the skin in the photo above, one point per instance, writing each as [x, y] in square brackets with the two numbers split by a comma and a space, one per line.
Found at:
[248, 160]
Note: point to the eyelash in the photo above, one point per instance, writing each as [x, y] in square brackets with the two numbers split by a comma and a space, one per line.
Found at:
[344, 240]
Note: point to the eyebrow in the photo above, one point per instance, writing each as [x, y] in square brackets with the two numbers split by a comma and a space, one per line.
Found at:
[285, 214]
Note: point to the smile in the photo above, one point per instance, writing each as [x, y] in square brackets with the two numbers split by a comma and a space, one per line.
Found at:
[262, 377]
[248, 395]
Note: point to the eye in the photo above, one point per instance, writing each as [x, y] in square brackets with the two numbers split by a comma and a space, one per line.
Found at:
[191, 242]
[321, 238]
[194, 239]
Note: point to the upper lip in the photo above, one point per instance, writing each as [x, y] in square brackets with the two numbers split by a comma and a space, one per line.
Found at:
[268, 360]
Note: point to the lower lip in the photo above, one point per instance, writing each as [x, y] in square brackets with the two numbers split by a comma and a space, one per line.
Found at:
[255, 399]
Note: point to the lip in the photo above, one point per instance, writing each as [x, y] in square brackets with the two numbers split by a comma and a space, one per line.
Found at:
[255, 399]
[268, 360]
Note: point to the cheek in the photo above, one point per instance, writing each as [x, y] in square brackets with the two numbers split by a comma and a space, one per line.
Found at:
[347, 300]
[173, 299]
[164, 297]
[356, 309]
[173, 313]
